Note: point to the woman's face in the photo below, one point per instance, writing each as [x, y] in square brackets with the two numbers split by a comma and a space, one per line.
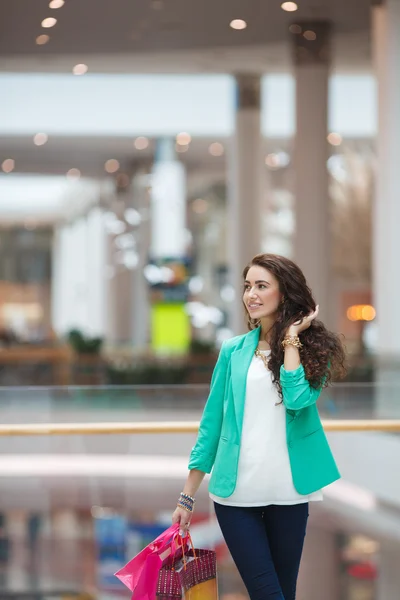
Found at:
[261, 295]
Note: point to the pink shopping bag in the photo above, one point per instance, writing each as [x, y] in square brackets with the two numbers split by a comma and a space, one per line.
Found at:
[140, 575]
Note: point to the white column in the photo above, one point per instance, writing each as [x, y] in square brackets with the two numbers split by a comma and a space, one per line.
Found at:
[312, 242]
[78, 252]
[389, 571]
[56, 281]
[245, 190]
[140, 291]
[118, 299]
[168, 203]
[69, 277]
[127, 302]
[386, 215]
[96, 246]
[319, 570]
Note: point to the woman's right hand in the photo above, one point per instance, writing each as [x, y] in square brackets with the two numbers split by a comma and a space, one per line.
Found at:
[183, 517]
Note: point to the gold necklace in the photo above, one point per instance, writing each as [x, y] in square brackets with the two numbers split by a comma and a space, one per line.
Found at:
[262, 356]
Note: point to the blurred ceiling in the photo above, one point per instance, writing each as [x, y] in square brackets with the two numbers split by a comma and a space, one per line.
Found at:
[159, 36]
[89, 154]
[172, 35]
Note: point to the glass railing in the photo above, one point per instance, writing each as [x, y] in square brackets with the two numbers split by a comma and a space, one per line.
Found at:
[75, 507]
[174, 402]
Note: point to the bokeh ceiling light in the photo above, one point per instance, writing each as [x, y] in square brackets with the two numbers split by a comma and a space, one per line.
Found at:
[131, 259]
[335, 139]
[200, 206]
[238, 24]
[49, 22]
[111, 165]
[196, 284]
[73, 173]
[310, 35]
[124, 241]
[295, 28]
[133, 217]
[41, 40]
[361, 312]
[183, 138]
[8, 165]
[80, 69]
[40, 139]
[277, 160]
[56, 3]
[141, 143]
[216, 149]
[289, 6]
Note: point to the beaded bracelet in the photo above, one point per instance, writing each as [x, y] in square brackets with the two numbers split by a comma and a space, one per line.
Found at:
[187, 502]
[187, 497]
[186, 507]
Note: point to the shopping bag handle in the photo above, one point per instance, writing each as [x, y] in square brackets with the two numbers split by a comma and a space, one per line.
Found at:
[183, 549]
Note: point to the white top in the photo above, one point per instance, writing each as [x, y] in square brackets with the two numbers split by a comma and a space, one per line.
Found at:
[264, 472]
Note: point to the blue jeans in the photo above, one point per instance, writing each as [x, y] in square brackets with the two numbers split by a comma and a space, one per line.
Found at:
[266, 543]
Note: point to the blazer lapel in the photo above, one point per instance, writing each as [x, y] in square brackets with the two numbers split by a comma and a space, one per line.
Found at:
[240, 363]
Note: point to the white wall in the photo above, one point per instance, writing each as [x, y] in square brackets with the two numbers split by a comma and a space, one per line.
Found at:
[156, 105]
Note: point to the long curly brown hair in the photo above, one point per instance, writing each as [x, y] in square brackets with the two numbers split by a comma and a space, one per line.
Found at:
[322, 354]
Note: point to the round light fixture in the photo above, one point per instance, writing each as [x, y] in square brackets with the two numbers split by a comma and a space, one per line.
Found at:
[40, 139]
[294, 28]
[289, 6]
[200, 206]
[141, 143]
[183, 138]
[41, 40]
[238, 24]
[272, 161]
[216, 149]
[73, 174]
[277, 160]
[8, 165]
[49, 22]
[361, 312]
[80, 69]
[111, 165]
[56, 3]
[335, 139]
[133, 217]
[310, 35]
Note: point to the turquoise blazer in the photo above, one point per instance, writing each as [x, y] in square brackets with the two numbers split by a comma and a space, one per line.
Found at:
[218, 442]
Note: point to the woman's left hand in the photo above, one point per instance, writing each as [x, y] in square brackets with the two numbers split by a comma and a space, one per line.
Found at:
[302, 324]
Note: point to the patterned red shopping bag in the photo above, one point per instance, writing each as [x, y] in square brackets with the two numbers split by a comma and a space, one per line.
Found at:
[198, 575]
[169, 584]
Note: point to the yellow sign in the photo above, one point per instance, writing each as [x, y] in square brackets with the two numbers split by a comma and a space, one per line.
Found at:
[170, 328]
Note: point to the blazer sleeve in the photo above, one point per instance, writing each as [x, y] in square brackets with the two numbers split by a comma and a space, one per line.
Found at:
[296, 390]
[204, 451]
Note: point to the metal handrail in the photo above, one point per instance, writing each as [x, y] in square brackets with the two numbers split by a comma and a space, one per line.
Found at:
[173, 427]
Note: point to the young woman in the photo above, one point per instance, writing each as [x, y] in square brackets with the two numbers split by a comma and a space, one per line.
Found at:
[260, 432]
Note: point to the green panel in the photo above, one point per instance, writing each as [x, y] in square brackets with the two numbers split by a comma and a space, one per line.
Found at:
[170, 328]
